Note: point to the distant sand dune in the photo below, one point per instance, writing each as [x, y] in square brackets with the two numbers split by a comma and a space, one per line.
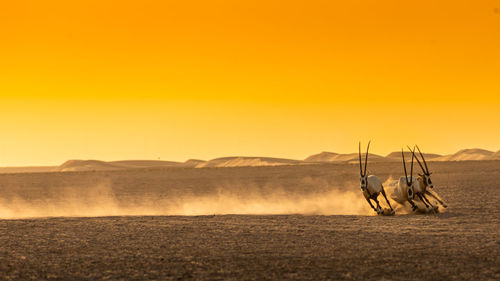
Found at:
[343, 158]
[87, 165]
[193, 162]
[144, 163]
[97, 165]
[397, 155]
[241, 161]
[41, 169]
[495, 156]
[467, 154]
[322, 157]
[247, 161]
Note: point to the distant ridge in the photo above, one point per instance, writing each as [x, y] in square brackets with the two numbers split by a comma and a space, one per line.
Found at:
[144, 163]
[397, 155]
[474, 154]
[322, 157]
[326, 157]
[97, 165]
[193, 162]
[241, 161]
[247, 161]
[495, 156]
[86, 165]
[28, 169]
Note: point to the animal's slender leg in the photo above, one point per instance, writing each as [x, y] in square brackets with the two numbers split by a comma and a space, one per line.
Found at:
[422, 199]
[435, 197]
[429, 202]
[379, 209]
[371, 205]
[383, 193]
[413, 206]
[427, 199]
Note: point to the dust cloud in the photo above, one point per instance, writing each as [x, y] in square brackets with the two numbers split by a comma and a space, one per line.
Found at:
[335, 202]
[102, 200]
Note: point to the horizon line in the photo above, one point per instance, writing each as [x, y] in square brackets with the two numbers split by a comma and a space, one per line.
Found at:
[234, 156]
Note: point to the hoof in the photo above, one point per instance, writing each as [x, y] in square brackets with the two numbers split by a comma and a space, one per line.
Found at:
[414, 208]
[393, 212]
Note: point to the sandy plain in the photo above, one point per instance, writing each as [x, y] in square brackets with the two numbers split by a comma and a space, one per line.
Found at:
[245, 223]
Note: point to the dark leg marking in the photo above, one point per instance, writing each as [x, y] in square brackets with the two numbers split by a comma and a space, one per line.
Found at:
[383, 193]
[435, 197]
[430, 204]
[376, 201]
[413, 206]
[422, 199]
[427, 199]
[369, 202]
[379, 209]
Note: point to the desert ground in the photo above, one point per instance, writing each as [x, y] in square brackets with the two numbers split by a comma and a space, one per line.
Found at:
[245, 223]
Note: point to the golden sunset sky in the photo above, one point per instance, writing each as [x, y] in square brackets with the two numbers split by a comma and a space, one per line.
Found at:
[145, 79]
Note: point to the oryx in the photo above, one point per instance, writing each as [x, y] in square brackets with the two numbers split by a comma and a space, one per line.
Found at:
[371, 185]
[406, 186]
[425, 180]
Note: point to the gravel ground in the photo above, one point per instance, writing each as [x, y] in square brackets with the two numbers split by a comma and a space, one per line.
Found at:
[461, 243]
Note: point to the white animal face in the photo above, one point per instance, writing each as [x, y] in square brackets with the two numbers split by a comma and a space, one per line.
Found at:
[364, 182]
[428, 181]
[409, 189]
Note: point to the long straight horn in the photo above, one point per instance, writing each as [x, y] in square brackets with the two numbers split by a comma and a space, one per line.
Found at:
[425, 163]
[360, 166]
[411, 173]
[366, 156]
[404, 166]
[418, 161]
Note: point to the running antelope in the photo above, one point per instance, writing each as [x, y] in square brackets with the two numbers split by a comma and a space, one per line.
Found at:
[371, 185]
[406, 186]
[425, 180]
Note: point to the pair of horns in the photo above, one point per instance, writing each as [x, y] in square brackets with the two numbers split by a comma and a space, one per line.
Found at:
[408, 182]
[366, 159]
[426, 169]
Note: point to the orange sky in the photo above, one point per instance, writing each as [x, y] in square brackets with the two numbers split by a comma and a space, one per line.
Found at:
[200, 79]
